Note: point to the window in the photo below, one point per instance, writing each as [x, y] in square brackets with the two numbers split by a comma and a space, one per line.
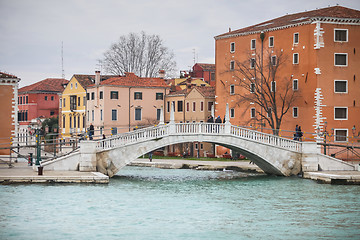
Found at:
[46, 98]
[340, 113]
[138, 95]
[295, 112]
[27, 99]
[64, 102]
[137, 114]
[296, 38]
[295, 58]
[20, 100]
[101, 114]
[201, 146]
[173, 105]
[273, 60]
[340, 135]
[269, 112]
[51, 98]
[79, 101]
[159, 96]
[114, 114]
[252, 87]
[114, 95]
[340, 35]
[273, 86]
[71, 86]
[92, 95]
[194, 106]
[180, 106]
[253, 43]
[271, 41]
[84, 101]
[73, 102]
[201, 106]
[75, 85]
[196, 146]
[83, 119]
[340, 59]
[88, 115]
[252, 63]
[295, 84]
[210, 105]
[252, 112]
[340, 86]
[168, 106]
[232, 47]
[212, 76]
[78, 121]
[187, 106]
[232, 112]
[158, 113]
[64, 121]
[52, 113]
[70, 122]
[74, 121]
[101, 95]
[232, 89]
[60, 103]
[113, 131]
[232, 65]
[92, 115]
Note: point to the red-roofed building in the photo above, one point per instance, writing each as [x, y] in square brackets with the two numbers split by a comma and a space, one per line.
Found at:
[321, 62]
[125, 102]
[8, 108]
[38, 100]
[205, 71]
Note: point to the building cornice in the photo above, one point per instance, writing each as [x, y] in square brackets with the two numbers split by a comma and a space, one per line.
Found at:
[331, 20]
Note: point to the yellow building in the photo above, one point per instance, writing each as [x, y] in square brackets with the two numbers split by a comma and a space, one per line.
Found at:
[72, 118]
[188, 82]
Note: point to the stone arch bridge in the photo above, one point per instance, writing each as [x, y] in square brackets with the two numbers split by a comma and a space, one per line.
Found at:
[273, 154]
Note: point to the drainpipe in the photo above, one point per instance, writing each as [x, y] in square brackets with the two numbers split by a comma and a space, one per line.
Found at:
[129, 107]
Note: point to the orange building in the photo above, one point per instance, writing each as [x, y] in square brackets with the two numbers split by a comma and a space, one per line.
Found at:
[8, 108]
[319, 66]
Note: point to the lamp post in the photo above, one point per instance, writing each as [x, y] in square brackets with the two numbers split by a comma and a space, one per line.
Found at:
[324, 134]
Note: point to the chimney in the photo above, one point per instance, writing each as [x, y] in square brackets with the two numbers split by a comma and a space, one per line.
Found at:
[97, 77]
[161, 73]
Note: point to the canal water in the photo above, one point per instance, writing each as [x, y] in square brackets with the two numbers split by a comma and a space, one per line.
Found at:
[151, 203]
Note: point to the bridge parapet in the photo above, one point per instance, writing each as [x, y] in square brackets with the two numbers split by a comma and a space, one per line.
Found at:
[215, 129]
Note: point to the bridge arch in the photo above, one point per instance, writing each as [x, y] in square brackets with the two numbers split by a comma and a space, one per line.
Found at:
[274, 155]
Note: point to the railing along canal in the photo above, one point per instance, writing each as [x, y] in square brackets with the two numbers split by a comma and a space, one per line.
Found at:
[196, 128]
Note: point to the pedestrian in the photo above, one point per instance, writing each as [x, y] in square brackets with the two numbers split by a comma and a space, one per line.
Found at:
[104, 136]
[299, 134]
[91, 131]
[224, 119]
[210, 120]
[218, 119]
[150, 156]
[296, 132]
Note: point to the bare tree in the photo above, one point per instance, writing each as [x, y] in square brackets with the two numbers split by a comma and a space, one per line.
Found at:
[260, 83]
[141, 54]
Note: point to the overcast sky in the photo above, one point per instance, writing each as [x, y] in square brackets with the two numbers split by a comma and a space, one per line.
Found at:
[32, 31]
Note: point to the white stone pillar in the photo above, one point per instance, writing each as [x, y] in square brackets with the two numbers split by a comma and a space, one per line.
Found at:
[213, 111]
[227, 120]
[87, 156]
[161, 116]
[172, 127]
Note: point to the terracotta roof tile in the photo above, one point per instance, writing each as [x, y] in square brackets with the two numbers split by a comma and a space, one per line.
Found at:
[206, 91]
[6, 75]
[46, 85]
[87, 80]
[131, 80]
[338, 12]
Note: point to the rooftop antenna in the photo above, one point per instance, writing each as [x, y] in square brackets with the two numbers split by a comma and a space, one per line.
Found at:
[62, 60]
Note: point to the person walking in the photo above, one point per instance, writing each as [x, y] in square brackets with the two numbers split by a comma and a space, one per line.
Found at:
[299, 134]
[210, 120]
[91, 131]
[218, 120]
[150, 156]
[296, 132]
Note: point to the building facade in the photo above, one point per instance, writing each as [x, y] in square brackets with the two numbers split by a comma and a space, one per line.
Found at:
[206, 71]
[38, 100]
[72, 120]
[9, 108]
[319, 65]
[124, 103]
[192, 104]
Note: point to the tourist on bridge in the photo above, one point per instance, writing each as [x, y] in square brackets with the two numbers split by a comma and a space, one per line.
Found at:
[218, 119]
[296, 131]
[299, 134]
[210, 120]
[91, 131]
